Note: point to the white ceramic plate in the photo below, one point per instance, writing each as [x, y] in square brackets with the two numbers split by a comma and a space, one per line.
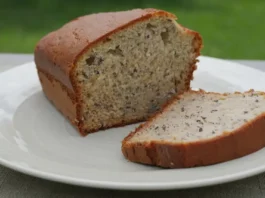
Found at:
[35, 139]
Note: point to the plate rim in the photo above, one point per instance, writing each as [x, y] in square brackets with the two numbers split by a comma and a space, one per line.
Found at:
[134, 185]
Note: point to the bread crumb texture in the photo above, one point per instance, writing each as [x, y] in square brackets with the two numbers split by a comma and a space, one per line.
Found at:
[129, 75]
[198, 116]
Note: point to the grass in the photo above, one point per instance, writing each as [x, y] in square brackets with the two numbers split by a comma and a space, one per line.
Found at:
[230, 29]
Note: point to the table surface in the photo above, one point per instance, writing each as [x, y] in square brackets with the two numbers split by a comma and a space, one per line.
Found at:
[15, 184]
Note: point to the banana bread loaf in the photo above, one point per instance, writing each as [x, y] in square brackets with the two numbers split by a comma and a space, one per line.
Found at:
[115, 68]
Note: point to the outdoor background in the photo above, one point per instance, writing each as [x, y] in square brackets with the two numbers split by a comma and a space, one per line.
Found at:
[232, 29]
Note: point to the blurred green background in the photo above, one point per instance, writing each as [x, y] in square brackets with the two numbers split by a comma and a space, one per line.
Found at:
[230, 29]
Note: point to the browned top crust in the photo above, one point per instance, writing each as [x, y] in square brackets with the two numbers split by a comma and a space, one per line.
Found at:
[57, 52]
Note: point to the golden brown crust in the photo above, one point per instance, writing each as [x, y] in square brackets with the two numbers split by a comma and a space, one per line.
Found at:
[243, 141]
[197, 43]
[60, 96]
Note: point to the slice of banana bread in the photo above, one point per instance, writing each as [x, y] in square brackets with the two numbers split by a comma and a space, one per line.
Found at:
[111, 69]
[199, 128]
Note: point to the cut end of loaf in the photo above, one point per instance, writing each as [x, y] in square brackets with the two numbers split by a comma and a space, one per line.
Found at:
[130, 74]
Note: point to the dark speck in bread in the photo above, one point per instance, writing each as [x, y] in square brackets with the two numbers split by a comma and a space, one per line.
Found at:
[90, 60]
[199, 121]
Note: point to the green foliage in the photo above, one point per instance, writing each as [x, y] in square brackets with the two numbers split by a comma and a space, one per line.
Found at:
[230, 29]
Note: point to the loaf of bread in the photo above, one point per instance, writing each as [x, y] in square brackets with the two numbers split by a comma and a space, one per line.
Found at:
[111, 69]
[198, 129]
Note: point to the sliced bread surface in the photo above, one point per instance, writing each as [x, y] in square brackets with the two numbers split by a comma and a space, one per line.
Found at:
[199, 128]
